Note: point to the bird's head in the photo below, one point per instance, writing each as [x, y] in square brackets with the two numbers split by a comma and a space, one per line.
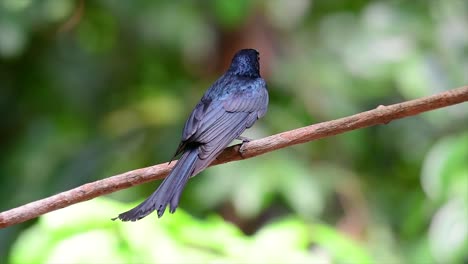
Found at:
[246, 63]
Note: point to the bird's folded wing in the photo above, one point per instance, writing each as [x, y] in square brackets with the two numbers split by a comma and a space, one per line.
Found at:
[216, 138]
[249, 100]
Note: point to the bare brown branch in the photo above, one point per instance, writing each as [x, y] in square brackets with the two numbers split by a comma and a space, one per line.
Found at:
[380, 115]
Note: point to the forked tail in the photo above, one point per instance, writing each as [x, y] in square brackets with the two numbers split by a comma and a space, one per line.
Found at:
[168, 192]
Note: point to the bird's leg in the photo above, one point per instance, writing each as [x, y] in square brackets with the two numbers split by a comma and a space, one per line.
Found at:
[244, 140]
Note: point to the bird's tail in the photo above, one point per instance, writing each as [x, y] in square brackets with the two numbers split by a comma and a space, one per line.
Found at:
[168, 192]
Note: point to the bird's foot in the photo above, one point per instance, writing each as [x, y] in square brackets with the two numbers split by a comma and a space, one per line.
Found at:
[242, 146]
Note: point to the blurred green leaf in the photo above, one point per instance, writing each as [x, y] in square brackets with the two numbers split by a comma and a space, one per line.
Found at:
[231, 13]
[343, 249]
[97, 33]
[178, 238]
[448, 233]
[13, 38]
[445, 171]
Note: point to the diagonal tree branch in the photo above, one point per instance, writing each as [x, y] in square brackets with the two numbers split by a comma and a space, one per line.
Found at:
[380, 115]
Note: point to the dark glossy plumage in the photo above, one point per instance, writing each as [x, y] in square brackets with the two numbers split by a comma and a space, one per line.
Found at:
[230, 106]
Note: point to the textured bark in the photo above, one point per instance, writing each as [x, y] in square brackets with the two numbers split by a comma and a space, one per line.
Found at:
[379, 115]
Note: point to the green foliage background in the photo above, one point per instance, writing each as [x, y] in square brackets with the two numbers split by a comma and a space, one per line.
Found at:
[89, 89]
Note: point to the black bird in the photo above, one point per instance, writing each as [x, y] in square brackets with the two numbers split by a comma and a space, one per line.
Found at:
[230, 106]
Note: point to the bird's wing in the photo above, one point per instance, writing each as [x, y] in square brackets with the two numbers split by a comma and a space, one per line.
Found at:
[207, 112]
[215, 138]
[214, 124]
[192, 123]
[199, 113]
[249, 100]
[222, 116]
[226, 121]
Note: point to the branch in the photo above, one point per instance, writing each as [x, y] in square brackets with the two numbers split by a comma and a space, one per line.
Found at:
[380, 115]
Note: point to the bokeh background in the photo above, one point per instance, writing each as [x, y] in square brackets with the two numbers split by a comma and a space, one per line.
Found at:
[89, 89]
